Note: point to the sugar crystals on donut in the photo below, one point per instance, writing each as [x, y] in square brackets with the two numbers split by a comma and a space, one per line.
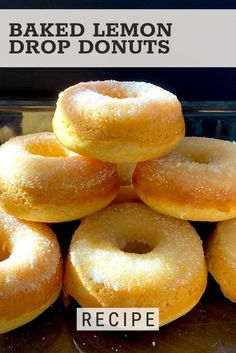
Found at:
[119, 122]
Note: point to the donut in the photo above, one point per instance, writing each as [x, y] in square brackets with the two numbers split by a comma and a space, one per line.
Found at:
[125, 172]
[30, 271]
[42, 181]
[221, 257]
[128, 255]
[127, 193]
[118, 121]
[195, 182]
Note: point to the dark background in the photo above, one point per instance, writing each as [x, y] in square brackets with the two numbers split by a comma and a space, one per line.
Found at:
[187, 83]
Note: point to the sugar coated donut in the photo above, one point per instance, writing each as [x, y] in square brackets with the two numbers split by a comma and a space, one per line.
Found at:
[127, 193]
[125, 172]
[196, 182]
[221, 257]
[118, 121]
[30, 271]
[128, 255]
[42, 181]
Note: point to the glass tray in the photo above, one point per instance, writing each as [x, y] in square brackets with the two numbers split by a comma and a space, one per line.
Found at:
[209, 327]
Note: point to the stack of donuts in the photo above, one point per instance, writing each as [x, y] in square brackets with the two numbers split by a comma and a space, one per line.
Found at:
[118, 161]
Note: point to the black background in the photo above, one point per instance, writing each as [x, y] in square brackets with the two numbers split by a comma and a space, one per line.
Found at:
[187, 83]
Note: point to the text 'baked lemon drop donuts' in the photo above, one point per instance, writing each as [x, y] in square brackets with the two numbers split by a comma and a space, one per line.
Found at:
[118, 121]
[128, 255]
[30, 271]
[42, 181]
[221, 257]
[195, 182]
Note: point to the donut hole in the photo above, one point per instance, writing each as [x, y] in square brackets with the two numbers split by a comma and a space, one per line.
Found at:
[51, 149]
[136, 247]
[117, 92]
[4, 252]
[200, 158]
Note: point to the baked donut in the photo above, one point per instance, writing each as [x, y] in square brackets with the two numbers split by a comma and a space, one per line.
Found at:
[196, 182]
[128, 255]
[42, 181]
[221, 257]
[118, 121]
[127, 191]
[125, 172]
[30, 271]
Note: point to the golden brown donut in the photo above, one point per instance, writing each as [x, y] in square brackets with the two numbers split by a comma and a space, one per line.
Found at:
[127, 192]
[42, 181]
[125, 172]
[30, 271]
[196, 182]
[221, 257]
[128, 255]
[118, 121]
